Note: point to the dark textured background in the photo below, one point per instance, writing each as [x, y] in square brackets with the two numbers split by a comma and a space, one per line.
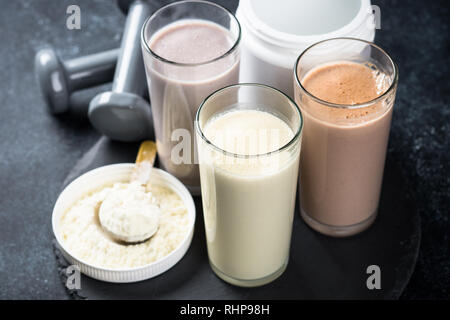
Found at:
[38, 150]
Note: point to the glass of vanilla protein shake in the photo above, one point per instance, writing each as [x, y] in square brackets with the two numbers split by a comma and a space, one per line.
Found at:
[248, 138]
[346, 89]
[190, 49]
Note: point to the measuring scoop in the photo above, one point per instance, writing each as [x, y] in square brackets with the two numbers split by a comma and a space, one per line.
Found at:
[128, 213]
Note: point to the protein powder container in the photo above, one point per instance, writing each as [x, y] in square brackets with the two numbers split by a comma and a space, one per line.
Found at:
[274, 33]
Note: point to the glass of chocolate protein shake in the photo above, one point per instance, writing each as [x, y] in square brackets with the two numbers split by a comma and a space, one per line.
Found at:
[345, 89]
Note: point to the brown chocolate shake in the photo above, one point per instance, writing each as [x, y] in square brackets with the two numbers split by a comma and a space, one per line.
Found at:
[344, 148]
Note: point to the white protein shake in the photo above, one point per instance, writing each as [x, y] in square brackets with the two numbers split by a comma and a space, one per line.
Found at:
[248, 194]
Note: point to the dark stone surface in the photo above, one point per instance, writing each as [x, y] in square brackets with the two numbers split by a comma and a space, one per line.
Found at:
[37, 151]
[319, 267]
[416, 34]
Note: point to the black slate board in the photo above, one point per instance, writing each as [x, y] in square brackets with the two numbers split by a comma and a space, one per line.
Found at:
[319, 266]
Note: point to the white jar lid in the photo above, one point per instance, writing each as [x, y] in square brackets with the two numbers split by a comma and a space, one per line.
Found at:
[317, 20]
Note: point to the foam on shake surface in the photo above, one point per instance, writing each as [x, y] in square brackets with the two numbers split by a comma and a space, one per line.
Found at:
[343, 83]
[191, 41]
[248, 132]
[346, 83]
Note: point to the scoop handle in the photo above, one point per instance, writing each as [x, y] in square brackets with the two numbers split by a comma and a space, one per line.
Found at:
[147, 152]
[144, 162]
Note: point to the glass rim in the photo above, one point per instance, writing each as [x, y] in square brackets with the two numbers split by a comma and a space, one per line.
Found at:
[182, 64]
[297, 134]
[348, 106]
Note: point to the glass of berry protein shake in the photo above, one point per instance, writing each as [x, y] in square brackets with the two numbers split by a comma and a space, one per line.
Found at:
[190, 49]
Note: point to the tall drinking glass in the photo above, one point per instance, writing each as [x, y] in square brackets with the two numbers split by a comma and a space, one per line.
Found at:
[248, 139]
[190, 49]
[346, 89]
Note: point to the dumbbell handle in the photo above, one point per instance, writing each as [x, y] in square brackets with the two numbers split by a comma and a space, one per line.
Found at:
[130, 72]
[91, 70]
[122, 113]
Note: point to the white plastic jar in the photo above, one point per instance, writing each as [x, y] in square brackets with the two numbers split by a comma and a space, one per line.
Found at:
[274, 33]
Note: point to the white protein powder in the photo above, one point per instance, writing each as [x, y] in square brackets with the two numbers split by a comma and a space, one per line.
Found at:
[85, 239]
[130, 213]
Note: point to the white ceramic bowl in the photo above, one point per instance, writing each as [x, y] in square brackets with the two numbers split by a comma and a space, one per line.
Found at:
[107, 175]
